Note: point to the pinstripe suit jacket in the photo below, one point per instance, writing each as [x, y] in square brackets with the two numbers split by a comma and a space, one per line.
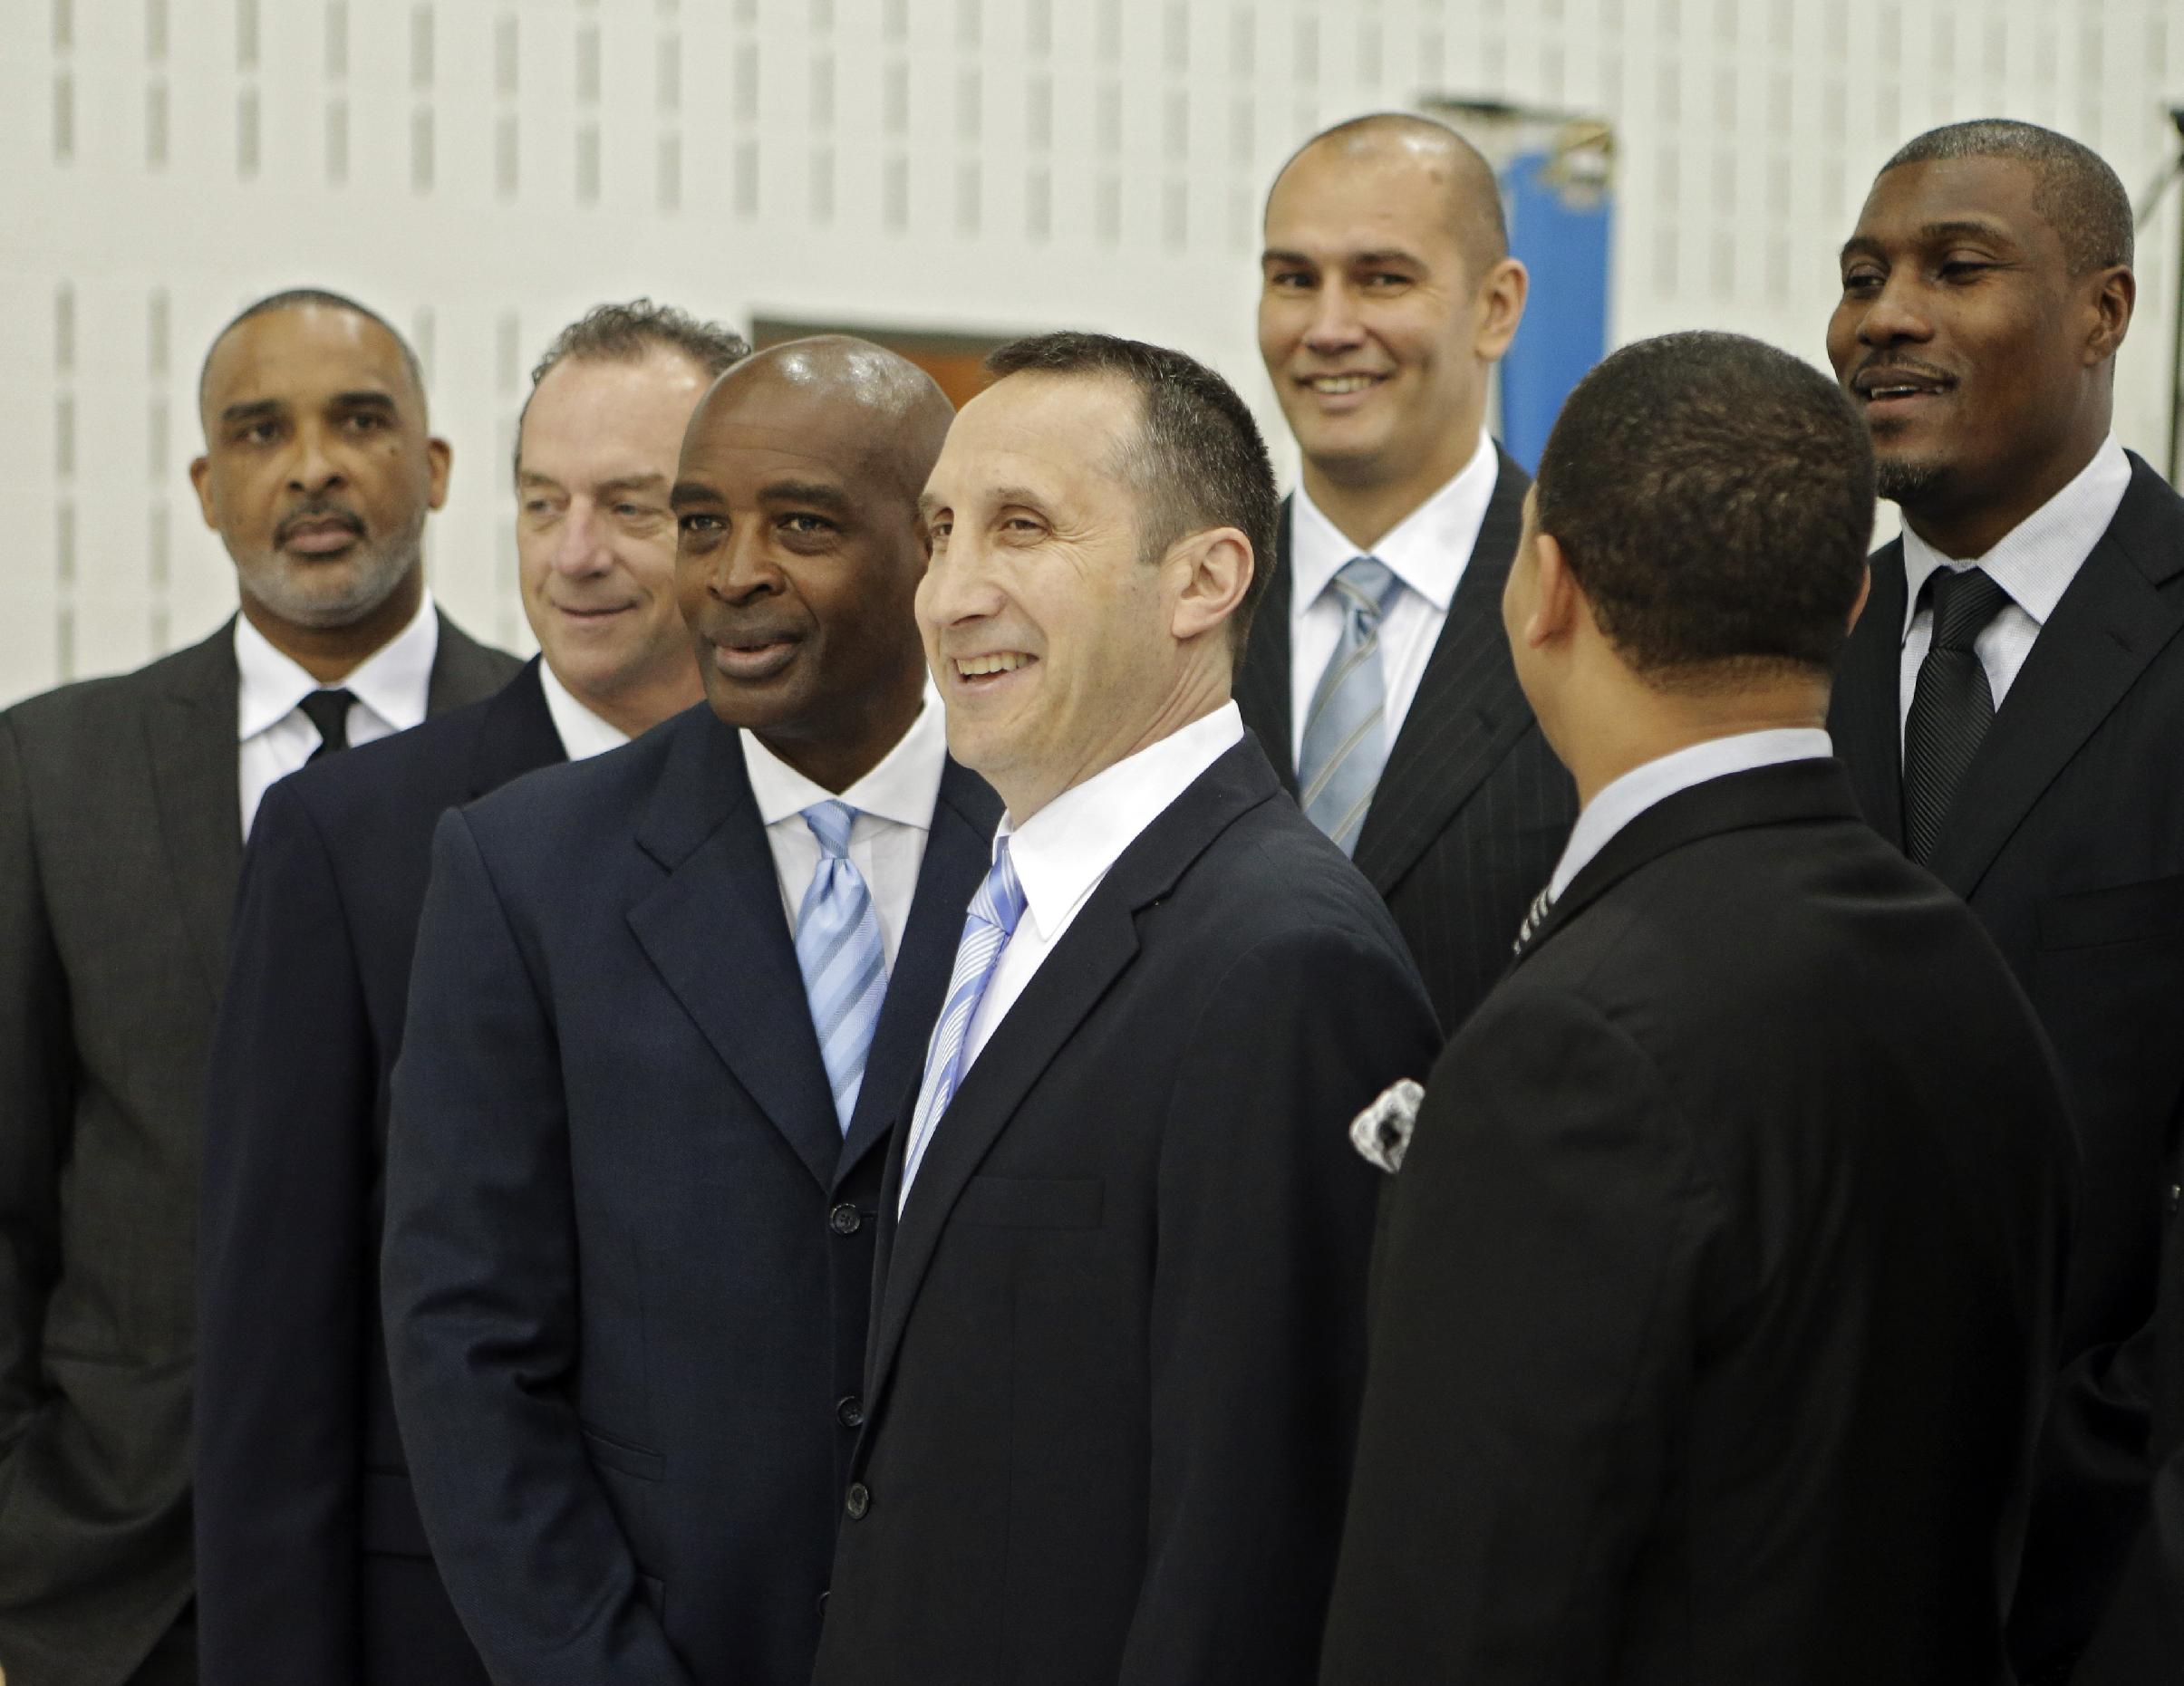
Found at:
[1473, 809]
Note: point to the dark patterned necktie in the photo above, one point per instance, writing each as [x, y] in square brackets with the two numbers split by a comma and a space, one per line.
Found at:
[1951, 707]
[329, 711]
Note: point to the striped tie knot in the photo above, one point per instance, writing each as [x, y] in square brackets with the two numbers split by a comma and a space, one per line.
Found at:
[1964, 603]
[999, 900]
[1366, 585]
[830, 822]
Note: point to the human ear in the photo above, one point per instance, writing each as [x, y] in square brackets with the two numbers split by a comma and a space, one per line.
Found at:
[1216, 568]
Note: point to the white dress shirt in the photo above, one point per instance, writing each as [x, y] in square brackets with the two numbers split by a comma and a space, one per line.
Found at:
[2034, 563]
[1623, 800]
[583, 734]
[1064, 850]
[1427, 551]
[887, 839]
[275, 737]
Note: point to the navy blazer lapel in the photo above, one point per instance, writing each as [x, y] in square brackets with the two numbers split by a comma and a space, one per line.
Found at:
[1098, 948]
[464, 670]
[516, 734]
[1785, 793]
[716, 932]
[2112, 622]
[959, 849]
[1865, 716]
[191, 734]
[1263, 691]
[1469, 709]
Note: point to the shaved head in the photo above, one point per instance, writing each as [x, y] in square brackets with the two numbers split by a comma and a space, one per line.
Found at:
[1473, 194]
[907, 414]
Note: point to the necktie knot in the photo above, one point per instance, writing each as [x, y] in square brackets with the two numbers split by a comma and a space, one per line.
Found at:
[327, 708]
[830, 822]
[1964, 603]
[999, 900]
[1365, 584]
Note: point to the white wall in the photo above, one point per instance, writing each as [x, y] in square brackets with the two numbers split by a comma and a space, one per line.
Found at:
[481, 171]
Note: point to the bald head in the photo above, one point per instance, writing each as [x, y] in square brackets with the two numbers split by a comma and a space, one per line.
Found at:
[893, 411]
[1471, 195]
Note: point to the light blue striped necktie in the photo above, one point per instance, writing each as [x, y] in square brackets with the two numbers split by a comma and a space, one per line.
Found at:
[839, 953]
[987, 927]
[1345, 734]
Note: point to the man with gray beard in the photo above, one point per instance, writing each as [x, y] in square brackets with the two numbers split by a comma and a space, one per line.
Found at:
[124, 806]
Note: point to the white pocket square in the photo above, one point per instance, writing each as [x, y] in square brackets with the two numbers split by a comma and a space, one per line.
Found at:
[1382, 1131]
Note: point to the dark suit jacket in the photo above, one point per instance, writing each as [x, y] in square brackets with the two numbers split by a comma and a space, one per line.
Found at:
[628, 1253]
[311, 1563]
[1716, 1298]
[1473, 809]
[120, 841]
[2142, 1632]
[2067, 839]
[1119, 1330]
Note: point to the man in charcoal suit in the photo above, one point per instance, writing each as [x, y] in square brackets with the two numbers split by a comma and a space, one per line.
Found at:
[1716, 1298]
[1118, 1315]
[124, 806]
[2012, 711]
[662, 1004]
[312, 1566]
[1387, 296]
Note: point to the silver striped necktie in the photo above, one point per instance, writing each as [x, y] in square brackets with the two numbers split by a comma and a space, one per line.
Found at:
[1535, 916]
[1345, 734]
[839, 953]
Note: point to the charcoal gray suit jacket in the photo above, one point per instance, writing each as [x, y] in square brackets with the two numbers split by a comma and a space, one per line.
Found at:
[120, 846]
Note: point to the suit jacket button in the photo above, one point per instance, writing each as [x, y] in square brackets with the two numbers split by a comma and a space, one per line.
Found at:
[849, 1411]
[846, 1219]
[858, 1502]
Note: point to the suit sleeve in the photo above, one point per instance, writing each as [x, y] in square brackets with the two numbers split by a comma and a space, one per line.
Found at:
[1257, 1327]
[480, 1292]
[1532, 1316]
[281, 1259]
[36, 1102]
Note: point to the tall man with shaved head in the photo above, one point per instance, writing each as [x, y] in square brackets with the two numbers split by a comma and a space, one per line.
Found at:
[1377, 677]
[2012, 710]
[312, 1568]
[664, 1006]
[124, 806]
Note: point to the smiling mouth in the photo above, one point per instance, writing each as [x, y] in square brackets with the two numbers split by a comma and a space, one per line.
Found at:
[984, 672]
[592, 614]
[1340, 386]
[1889, 387]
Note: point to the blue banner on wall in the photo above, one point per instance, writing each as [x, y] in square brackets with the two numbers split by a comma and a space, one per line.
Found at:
[1559, 230]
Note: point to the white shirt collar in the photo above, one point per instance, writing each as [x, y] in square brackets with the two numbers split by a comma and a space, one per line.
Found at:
[395, 681]
[1622, 800]
[1426, 550]
[1062, 851]
[583, 733]
[2035, 561]
[903, 788]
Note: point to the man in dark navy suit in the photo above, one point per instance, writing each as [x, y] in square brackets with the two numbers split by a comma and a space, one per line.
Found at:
[1118, 1334]
[312, 1568]
[666, 1004]
[1389, 295]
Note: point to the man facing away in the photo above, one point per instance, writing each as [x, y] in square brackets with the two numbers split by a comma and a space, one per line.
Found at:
[662, 1003]
[1715, 1294]
[1377, 677]
[124, 806]
[312, 1566]
[2012, 711]
[1119, 1307]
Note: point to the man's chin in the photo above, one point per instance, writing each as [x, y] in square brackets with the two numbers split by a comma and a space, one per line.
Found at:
[1905, 481]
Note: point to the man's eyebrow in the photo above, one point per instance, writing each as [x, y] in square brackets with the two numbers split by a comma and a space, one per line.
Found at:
[363, 400]
[813, 492]
[1959, 227]
[687, 492]
[256, 410]
[927, 502]
[1005, 494]
[1859, 245]
[634, 482]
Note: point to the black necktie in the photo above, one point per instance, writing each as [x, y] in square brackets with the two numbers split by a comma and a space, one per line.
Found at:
[329, 711]
[1951, 707]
